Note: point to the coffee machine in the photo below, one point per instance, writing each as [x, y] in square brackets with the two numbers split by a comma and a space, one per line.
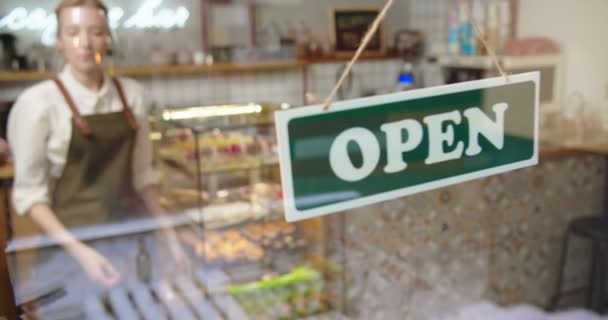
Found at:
[416, 71]
[9, 59]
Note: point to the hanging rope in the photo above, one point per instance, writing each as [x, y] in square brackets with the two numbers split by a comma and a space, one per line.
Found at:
[489, 49]
[368, 37]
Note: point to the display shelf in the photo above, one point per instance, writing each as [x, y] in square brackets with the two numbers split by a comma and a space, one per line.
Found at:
[24, 76]
[191, 217]
[240, 167]
[348, 57]
[232, 221]
[166, 70]
[200, 129]
[105, 231]
[274, 215]
[177, 70]
[508, 62]
[161, 70]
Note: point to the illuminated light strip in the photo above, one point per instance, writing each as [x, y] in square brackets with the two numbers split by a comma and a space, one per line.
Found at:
[207, 112]
[156, 136]
[148, 15]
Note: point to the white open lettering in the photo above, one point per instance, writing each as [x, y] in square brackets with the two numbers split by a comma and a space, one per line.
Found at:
[441, 135]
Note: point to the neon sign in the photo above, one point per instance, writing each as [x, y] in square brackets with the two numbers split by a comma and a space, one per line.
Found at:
[147, 16]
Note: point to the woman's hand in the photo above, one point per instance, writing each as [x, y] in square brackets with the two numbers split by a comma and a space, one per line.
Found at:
[97, 267]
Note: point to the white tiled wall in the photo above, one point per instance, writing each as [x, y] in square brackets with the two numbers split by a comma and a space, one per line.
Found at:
[275, 86]
[431, 17]
[270, 87]
[196, 90]
[315, 15]
[368, 77]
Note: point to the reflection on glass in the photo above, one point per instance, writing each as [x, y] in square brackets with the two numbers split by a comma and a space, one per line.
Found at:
[221, 188]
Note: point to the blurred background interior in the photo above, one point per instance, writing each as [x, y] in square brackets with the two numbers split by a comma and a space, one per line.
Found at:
[215, 72]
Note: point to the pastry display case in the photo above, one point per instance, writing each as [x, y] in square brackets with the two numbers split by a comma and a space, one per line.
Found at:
[233, 149]
[219, 167]
[220, 185]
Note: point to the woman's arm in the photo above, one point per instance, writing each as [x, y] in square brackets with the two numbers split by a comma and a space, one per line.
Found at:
[94, 264]
[44, 217]
[28, 133]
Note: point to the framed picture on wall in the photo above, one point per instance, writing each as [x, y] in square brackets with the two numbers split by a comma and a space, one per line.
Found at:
[349, 26]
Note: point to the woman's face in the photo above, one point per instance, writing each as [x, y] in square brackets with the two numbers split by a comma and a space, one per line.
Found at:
[83, 37]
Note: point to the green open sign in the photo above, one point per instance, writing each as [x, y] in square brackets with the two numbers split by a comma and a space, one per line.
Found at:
[374, 149]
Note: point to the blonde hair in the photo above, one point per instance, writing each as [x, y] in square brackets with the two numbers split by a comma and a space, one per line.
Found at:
[77, 3]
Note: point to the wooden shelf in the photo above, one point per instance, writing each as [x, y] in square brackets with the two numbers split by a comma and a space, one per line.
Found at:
[176, 70]
[509, 62]
[163, 70]
[20, 76]
[344, 58]
[149, 71]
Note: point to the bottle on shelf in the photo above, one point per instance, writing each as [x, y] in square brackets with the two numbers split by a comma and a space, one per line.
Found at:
[467, 34]
[453, 35]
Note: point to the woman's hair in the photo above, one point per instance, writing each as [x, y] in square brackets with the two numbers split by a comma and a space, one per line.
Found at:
[77, 3]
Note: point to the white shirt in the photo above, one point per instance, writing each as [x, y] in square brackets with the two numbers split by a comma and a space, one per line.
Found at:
[40, 128]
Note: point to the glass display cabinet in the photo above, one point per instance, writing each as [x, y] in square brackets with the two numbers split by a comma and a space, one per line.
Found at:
[220, 168]
[220, 184]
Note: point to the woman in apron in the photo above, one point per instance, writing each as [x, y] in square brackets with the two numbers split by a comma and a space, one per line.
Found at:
[81, 149]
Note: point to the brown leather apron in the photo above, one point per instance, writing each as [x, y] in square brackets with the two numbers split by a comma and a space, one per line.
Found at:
[96, 185]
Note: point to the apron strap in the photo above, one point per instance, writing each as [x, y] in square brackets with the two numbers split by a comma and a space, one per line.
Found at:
[78, 119]
[125, 106]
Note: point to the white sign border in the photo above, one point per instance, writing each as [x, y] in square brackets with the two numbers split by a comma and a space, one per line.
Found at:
[282, 119]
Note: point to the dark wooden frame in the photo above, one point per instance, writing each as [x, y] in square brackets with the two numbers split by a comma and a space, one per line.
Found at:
[341, 51]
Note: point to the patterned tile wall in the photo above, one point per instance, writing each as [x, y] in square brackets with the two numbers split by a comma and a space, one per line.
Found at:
[496, 238]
